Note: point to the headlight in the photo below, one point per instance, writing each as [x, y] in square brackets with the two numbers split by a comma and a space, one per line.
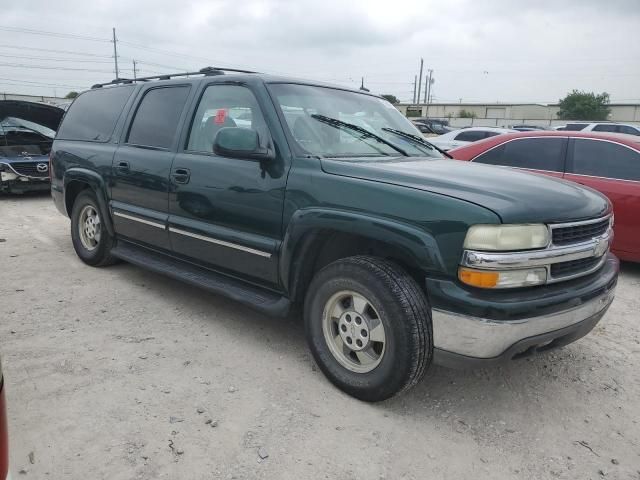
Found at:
[506, 237]
[504, 278]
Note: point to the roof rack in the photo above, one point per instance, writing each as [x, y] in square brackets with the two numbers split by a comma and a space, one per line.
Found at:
[207, 71]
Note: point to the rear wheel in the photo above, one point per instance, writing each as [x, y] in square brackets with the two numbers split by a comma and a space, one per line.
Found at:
[368, 326]
[91, 240]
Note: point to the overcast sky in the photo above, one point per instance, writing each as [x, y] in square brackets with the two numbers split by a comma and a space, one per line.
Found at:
[501, 50]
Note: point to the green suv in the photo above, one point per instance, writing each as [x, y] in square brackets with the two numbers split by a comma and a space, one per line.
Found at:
[282, 193]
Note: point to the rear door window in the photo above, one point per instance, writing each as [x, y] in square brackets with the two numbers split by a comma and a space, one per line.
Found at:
[471, 136]
[604, 159]
[156, 119]
[534, 153]
[93, 115]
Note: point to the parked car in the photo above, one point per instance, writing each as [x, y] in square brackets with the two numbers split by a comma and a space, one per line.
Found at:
[333, 201]
[26, 134]
[464, 136]
[607, 162]
[426, 130]
[4, 431]
[601, 127]
[438, 127]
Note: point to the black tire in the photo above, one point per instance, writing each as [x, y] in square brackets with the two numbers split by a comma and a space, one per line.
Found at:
[405, 314]
[100, 256]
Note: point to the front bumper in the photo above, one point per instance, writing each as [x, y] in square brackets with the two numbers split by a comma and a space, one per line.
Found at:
[22, 184]
[483, 328]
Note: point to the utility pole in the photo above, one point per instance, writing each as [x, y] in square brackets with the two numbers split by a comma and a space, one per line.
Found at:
[134, 69]
[427, 86]
[415, 80]
[420, 79]
[115, 52]
[427, 90]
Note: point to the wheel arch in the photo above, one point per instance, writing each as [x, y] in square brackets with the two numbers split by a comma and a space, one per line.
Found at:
[77, 180]
[317, 237]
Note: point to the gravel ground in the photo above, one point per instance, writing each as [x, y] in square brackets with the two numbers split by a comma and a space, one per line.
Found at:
[122, 374]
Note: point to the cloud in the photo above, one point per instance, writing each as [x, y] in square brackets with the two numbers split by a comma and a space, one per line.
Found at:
[479, 50]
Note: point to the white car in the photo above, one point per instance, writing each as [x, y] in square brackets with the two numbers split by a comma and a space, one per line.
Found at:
[601, 127]
[464, 136]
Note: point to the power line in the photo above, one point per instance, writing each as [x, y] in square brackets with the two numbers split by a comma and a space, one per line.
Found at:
[43, 67]
[55, 59]
[53, 34]
[42, 83]
[84, 54]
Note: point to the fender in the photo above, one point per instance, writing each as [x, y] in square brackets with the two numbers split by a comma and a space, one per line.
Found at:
[422, 247]
[97, 184]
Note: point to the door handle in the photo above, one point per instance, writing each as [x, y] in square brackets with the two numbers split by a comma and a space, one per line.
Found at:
[124, 166]
[181, 175]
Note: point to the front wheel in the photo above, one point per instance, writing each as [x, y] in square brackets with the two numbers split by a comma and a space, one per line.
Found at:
[90, 238]
[368, 326]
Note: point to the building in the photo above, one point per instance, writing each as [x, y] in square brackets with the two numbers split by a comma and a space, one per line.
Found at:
[505, 114]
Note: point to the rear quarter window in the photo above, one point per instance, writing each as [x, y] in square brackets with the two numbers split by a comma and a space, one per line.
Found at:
[604, 159]
[93, 115]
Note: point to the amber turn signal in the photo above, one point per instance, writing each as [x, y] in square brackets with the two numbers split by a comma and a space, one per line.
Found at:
[478, 278]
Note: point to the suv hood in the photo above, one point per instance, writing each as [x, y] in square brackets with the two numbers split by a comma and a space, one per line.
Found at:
[515, 196]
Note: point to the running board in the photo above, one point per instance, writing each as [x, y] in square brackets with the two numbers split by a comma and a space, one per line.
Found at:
[252, 296]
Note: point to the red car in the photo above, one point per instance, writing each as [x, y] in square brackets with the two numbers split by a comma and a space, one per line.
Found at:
[607, 162]
[4, 434]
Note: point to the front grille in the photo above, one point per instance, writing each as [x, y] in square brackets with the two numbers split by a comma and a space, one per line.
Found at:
[565, 269]
[30, 169]
[579, 233]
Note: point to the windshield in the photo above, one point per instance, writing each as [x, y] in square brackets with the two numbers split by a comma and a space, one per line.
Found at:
[20, 137]
[309, 111]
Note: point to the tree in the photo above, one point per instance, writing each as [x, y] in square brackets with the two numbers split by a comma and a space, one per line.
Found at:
[71, 95]
[391, 98]
[579, 105]
[466, 114]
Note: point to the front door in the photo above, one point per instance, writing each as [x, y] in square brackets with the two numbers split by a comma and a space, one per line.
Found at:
[614, 170]
[141, 167]
[226, 213]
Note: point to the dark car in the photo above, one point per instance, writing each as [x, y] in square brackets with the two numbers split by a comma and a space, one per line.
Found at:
[439, 127]
[26, 134]
[329, 199]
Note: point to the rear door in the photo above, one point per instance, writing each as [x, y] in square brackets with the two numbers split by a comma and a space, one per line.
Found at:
[613, 169]
[539, 154]
[141, 166]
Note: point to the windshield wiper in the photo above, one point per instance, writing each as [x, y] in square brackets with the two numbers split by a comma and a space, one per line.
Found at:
[334, 122]
[416, 139]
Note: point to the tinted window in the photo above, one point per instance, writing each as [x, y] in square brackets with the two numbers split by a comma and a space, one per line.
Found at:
[156, 119]
[535, 153]
[93, 115]
[575, 127]
[628, 130]
[605, 159]
[225, 106]
[605, 128]
[471, 136]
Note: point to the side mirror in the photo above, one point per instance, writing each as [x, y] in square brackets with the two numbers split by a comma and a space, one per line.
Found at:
[238, 142]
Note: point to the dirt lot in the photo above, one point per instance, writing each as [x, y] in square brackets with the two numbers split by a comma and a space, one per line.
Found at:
[119, 373]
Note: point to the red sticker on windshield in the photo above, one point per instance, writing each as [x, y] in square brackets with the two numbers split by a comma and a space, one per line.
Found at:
[221, 115]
